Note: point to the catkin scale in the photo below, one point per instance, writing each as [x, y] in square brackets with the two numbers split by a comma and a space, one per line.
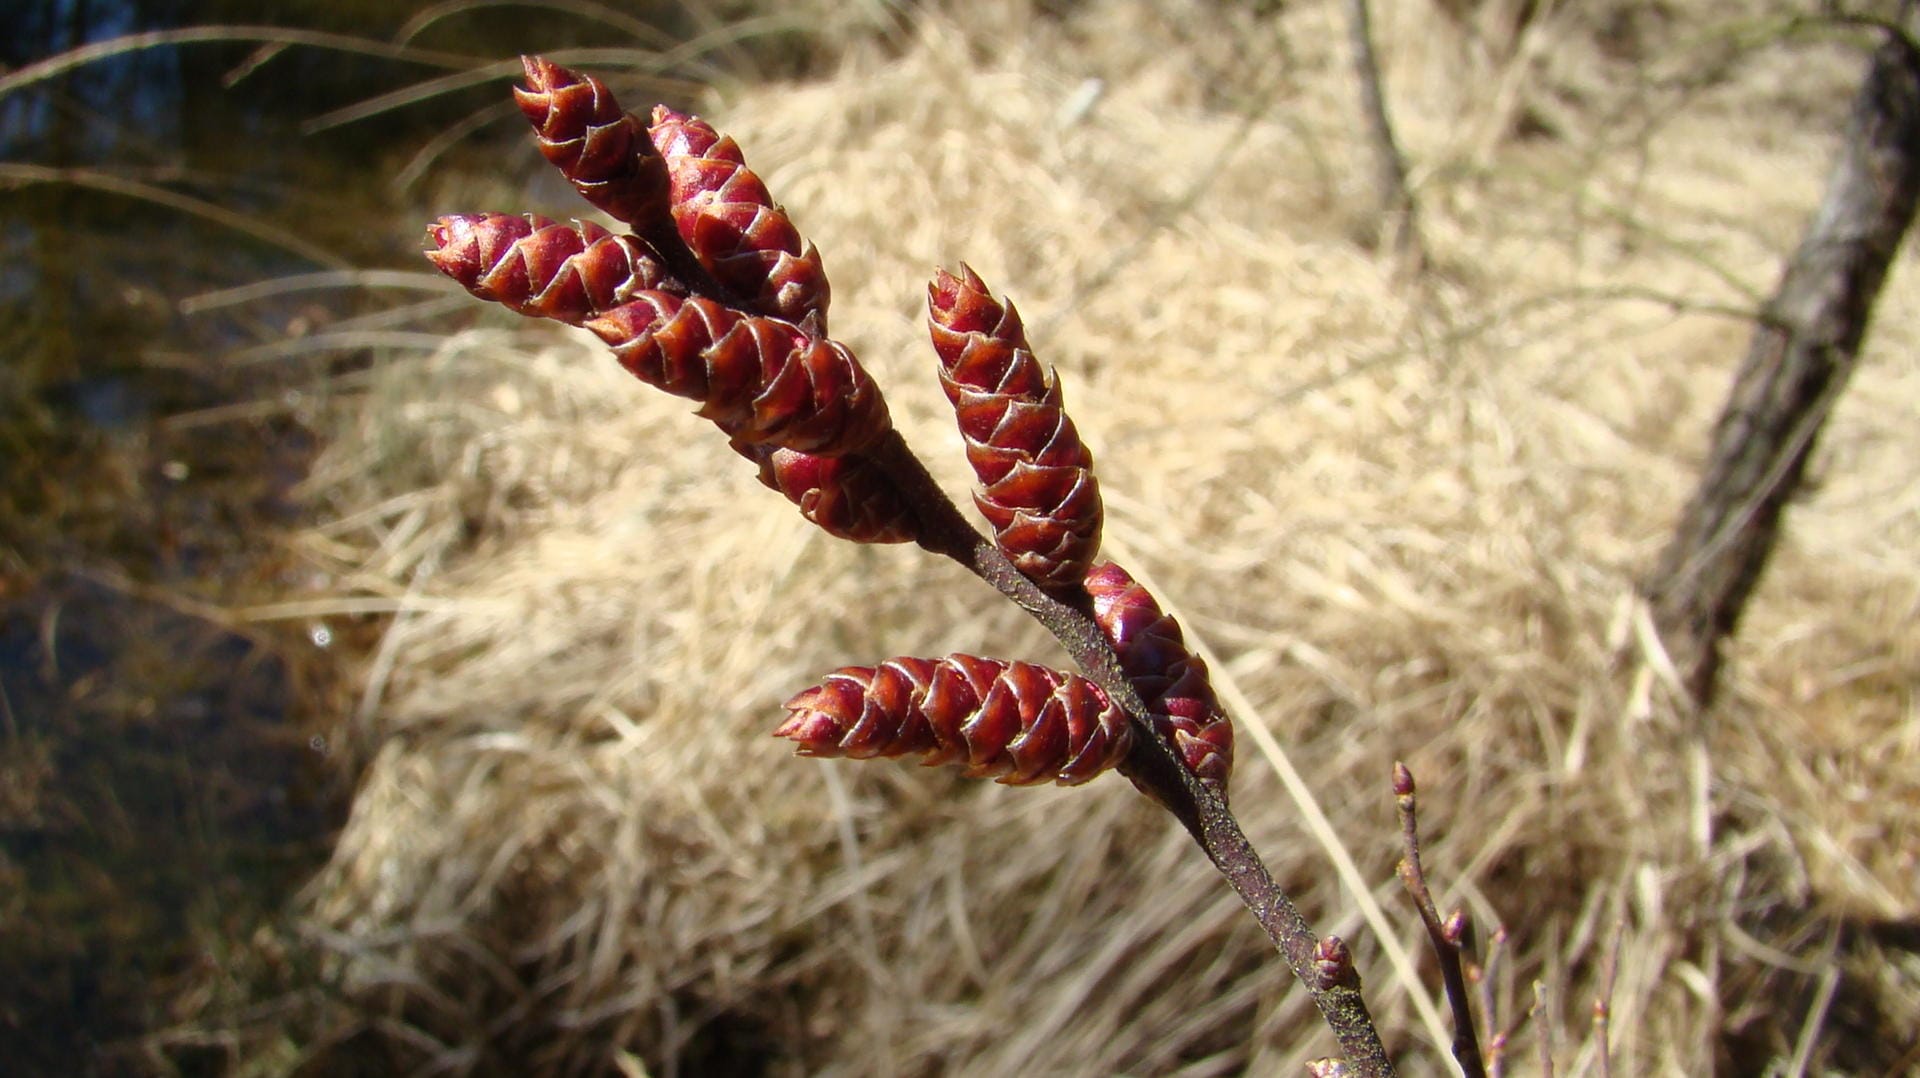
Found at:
[1037, 487]
[1018, 723]
[541, 268]
[760, 379]
[731, 223]
[1171, 681]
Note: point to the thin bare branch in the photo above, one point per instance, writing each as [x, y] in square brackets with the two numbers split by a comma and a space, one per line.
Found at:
[1447, 936]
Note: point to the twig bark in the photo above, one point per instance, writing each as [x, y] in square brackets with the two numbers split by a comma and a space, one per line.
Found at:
[1801, 354]
[1447, 937]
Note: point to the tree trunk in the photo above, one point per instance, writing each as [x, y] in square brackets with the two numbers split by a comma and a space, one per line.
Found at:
[1796, 365]
[1399, 226]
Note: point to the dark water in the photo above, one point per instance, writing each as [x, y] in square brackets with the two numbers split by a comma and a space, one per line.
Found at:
[165, 778]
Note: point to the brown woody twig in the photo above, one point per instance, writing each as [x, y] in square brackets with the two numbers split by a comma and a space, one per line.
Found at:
[1448, 936]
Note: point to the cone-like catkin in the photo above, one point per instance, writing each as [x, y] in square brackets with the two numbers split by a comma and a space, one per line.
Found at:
[1036, 478]
[730, 221]
[596, 144]
[1016, 722]
[540, 267]
[848, 496]
[760, 379]
[1170, 680]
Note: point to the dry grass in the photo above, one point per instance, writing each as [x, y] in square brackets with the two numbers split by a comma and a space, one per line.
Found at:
[1407, 520]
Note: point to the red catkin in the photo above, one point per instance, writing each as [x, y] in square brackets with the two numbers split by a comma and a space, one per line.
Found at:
[1037, 487]
[761, 379]
[602, 149]
[729, 220]
[541, 268]
[848, 496]
[1015, 722]
[1170, 680]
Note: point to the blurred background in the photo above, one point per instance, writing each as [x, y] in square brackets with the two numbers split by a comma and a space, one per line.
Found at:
[384, 681]
[211, 224]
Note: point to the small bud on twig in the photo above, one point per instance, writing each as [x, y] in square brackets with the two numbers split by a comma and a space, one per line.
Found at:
[1333, 964]
[1448, 938]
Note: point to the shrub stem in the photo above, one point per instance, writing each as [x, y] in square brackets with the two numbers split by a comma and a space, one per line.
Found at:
[1152, 764]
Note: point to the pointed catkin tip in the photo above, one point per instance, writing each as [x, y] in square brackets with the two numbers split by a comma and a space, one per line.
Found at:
[677, 134]
[438, 233]
[819, 719]
[543, 78]
[943, 290]
[948, 292]
[673, 131]
[943, 295]
[541, 73]
[809, 723]
[451, 246]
